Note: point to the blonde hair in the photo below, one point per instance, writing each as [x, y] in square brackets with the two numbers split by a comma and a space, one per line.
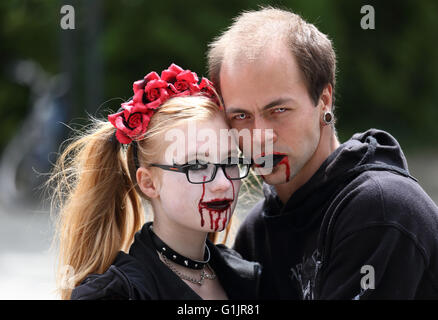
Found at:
[96, 197]
[252, 32]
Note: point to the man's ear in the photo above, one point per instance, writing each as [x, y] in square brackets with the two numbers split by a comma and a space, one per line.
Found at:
[325, 99]
[147, 182]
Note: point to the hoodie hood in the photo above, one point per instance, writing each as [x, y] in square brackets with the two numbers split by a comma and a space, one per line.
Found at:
[371, 150]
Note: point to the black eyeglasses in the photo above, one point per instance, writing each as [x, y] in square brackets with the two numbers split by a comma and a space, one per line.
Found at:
[198, 173]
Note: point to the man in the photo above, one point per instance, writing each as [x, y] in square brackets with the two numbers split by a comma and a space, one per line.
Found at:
[339, 221]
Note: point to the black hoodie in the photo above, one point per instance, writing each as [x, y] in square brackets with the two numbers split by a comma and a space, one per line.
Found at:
[360, 228]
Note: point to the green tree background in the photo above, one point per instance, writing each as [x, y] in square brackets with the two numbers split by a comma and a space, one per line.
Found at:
[387, 78]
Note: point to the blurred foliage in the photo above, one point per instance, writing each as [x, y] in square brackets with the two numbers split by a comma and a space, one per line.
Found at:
[387, 78]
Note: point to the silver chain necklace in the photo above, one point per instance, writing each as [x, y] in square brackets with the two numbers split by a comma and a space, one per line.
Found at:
[204, 275]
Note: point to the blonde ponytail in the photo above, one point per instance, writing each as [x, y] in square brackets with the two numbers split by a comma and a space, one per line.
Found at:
[98, 210]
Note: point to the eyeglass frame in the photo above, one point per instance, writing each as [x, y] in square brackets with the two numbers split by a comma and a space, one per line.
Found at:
[184, 169]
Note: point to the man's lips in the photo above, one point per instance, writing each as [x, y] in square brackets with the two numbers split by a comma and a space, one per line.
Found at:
[276, 159]
[217, 204]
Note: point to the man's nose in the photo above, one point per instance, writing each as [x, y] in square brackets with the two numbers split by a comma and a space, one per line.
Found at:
[263, 132]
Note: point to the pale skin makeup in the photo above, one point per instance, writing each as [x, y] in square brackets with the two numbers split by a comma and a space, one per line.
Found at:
[179, 217]
[270, 93]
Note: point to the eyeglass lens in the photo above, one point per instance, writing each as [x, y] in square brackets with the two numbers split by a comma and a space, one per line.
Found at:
[204, 174]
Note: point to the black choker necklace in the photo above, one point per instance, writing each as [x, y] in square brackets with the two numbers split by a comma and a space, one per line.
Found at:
[174, 256]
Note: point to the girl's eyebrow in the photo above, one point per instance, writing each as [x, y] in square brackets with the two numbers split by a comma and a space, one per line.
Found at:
[235, 110]
[193, 156]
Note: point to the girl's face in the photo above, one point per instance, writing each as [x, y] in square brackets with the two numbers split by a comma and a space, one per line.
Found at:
[204, 207]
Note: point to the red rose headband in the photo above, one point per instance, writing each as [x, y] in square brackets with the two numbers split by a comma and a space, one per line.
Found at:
[132, 119]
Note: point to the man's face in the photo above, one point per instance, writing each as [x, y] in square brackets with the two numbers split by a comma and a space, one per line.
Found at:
[270, 93]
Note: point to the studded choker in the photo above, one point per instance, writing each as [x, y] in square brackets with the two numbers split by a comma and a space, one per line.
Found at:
[174, 256]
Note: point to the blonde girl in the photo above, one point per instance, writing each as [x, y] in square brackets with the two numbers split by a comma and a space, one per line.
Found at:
[105, 175]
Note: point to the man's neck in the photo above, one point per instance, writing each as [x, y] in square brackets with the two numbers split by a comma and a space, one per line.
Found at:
[327, 144]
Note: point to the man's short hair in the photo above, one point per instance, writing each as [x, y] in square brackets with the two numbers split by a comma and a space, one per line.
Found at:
[253, 31]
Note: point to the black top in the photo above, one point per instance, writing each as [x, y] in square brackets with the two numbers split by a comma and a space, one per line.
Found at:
[142, 275]
[361, 208]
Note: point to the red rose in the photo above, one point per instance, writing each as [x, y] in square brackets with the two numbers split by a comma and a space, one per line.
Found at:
[153, 94]
[187, 80]
[153, 91]
[171, 90]
[132, 107]
[112, 117]
[123, 138]
[155, 104]
[151, 76]
[205, 83]
[132, 128]
[169, 75]
[138, 85]
[181, 85]
[194, 88]
[175, 68]
[207, 87]
[188, 76]
[134, 120]
[138, 96]
[117, 120]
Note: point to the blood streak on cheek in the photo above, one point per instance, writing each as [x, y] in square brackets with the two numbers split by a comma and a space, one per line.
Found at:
[200, 203]
[286, 163]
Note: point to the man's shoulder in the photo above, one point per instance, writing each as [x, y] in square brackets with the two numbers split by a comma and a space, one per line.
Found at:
[387, 191]
[383, 198]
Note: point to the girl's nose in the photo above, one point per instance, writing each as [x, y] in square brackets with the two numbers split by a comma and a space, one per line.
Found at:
[220, 183]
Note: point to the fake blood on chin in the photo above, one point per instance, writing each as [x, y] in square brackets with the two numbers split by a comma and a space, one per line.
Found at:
[216, 208]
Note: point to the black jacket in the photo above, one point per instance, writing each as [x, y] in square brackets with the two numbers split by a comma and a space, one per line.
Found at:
[361, 208]
[142, 275]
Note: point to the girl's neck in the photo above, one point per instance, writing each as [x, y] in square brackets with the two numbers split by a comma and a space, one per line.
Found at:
[187, 242]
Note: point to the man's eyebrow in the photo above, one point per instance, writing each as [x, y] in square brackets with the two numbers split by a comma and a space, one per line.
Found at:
[277, 103]
[270, 105]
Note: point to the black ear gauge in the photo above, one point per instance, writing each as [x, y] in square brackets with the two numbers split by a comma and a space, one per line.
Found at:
[328, 117]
